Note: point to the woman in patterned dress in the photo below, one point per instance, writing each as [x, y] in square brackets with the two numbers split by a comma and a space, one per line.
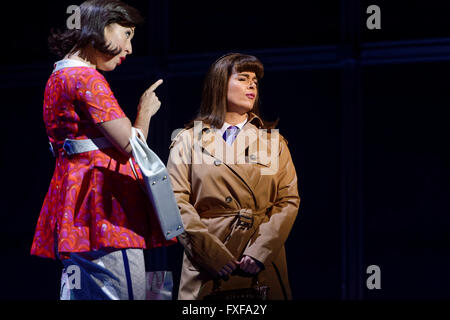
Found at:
[95, 217]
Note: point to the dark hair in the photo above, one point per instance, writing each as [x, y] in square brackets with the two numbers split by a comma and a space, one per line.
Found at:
[213, 106]
[95, 15]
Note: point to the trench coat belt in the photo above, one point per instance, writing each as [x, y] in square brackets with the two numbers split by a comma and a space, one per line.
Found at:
[245, 216]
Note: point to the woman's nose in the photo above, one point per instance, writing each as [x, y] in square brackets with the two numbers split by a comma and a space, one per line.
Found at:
[129, 48]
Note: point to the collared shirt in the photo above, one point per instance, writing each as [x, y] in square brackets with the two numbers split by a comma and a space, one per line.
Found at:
[226, 125]
[69, 63]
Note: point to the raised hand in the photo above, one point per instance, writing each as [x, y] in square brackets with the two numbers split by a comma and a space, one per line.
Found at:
[149, 101]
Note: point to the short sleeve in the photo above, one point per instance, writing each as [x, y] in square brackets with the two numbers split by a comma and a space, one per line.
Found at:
[96, 97]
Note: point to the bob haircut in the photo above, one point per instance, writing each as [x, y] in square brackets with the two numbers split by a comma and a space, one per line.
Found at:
[213, 106]
[95, 15]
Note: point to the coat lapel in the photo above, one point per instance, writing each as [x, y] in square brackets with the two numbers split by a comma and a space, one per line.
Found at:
[239, 157]
[215, 147]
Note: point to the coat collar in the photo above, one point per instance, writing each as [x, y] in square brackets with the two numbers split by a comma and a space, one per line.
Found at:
[252, 118]
[209, 134]
[211, 139]
[255, 120]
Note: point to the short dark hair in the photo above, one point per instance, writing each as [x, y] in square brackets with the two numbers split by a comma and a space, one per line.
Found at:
[95, 15]
[214, 102]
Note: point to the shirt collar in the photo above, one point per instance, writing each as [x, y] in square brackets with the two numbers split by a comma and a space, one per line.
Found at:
[252, 118]
[226, 125]
[69, 63]
[239, 125]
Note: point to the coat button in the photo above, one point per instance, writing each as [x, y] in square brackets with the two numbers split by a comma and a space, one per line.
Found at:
[217, 163]
[228, 199]
[252, 157]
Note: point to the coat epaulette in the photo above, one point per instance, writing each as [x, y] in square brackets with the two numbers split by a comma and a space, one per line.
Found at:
[175, 135]
[285, 140]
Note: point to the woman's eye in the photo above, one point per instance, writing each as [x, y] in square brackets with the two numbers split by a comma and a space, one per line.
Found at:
[128, 33]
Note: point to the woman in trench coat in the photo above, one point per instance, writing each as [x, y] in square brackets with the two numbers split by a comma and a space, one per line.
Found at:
[236, 187]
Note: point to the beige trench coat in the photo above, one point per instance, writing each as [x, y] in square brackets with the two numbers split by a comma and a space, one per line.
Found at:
[234, 200]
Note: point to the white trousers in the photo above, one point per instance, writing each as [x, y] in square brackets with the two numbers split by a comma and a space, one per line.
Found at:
[116, 274]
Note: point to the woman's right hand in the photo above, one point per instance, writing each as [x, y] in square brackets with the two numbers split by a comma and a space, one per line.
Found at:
[149, 102]
[228, 268]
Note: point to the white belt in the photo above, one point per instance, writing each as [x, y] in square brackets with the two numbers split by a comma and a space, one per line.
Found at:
[72, 146]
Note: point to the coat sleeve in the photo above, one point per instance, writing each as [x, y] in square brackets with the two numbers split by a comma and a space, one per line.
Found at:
[202, 248]
[273, 232]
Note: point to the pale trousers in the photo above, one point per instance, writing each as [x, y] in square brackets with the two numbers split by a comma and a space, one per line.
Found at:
[114, 274]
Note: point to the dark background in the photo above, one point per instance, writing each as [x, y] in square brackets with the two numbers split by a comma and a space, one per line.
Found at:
[364, 111]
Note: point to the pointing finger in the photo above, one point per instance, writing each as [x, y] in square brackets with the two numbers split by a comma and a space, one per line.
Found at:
[155, 85]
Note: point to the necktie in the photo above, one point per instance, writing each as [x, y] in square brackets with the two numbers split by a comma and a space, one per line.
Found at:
[230, 134]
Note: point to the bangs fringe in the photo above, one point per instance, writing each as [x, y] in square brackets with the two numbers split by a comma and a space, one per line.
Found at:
[251, 65]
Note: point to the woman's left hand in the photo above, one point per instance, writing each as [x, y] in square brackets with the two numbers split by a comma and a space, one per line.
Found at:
[249, 265]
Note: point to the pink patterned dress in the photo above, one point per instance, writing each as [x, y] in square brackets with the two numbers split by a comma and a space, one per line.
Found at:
[94, 200]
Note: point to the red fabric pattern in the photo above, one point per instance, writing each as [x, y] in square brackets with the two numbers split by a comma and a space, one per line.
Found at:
[94, 200]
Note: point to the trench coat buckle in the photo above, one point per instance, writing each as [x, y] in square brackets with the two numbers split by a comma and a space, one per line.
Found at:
[245, 221]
